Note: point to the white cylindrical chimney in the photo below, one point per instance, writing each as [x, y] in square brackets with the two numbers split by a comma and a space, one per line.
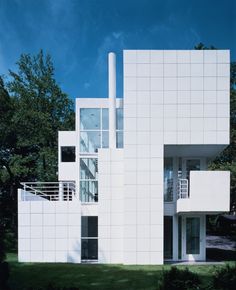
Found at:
[112, 98]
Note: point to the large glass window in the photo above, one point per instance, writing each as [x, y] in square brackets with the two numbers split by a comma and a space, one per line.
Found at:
[168, 179]
[88, 180]
[168, 237]
[68, 154]
[94, 129]
[89, 238]
[119, 128]
[193, 235]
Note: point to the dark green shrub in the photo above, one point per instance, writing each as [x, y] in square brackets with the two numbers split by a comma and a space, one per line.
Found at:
[225, 278]
[176, 279]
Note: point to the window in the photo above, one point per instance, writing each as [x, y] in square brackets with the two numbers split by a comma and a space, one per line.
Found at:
[89, 238]
[168, 179]
[94, 129]
[119, 128]
[168, 237]
[193, 235]
[88, 180]
[68, 154]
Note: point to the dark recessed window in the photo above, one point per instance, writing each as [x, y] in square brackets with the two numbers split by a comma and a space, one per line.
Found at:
[89, 237]
[68, 154]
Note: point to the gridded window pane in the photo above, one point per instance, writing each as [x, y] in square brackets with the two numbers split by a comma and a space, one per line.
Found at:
[88, 191]
[90, 119]
[105, 119]
[168, 179]
[88, 168]
[89, 249]
[67, 154]
[192, 235]
[119, 139]
[119, 119]
[90, 141]
[105, 139]
[89, 226]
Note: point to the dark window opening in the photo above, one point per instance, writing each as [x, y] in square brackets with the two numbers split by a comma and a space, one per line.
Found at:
[89, 238]
[168, 237]
[68, 154]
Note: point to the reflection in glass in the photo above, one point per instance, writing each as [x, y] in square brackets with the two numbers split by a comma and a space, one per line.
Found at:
[105, 139]
[168, 179]
[168, 237]
[193, 235]
[119, 119]
[119, 139]
[88, 168]
[89, 191]
[192, 164]
[89, 226]
[90, 141]
[105, 119]
[90, 119]
[89, 249]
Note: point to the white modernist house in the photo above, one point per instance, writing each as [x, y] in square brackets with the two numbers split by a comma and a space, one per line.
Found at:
[134, 185]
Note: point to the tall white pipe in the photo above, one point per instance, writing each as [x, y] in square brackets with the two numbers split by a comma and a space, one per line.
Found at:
[112, 98]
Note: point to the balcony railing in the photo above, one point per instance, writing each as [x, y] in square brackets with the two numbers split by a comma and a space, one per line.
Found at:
[183, 191]
[52, 191]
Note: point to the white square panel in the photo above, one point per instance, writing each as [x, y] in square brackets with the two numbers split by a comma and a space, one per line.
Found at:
[129, 56]
[222, 110]
[49, 232]
[49, 244]
[223, 56]
[143, 231]
[143, 111]
[156, 164]
[183, 124]
[61, 256]
[170, 111]
[130, 111]
[157, 138]
[36, 219]
[24, 245]
[130, 97]
[143, 70]
[197, 97]
[24, 232]
[197, 137]
[184, 83]
[24, 256]
[143, 124]
[23, 219]
[157, 97]
[184, 97]
[210, 56]
[197, 83]
[130, 124]
[143, 138]
[142, 245]
[170, 124]
[210, 83]
[61, 232]
[223, 97]
[156, 56]
[36, 245]
[183, 110]
[170, 137]
[143, 97]
[130, 218]
[210, 137]
[184, 70]
[196, 124]
[36, 256]
[210, 69]
[197, 70]
[223, 83]
[143, 83]
[170, 56]
[210, 124]
[170, 97]
[210, 97]
[156, 231]
[170, 69]
[24, 207]
[130, 70]
[36, 207]
[183, 137]
[196, 56]
[223, 124]
[61, 219]
[143, 56]
[130, 84]
[156, 70]
[223, 70]
[36, 232]
[197, 110]
[183, 56]
[210, 110]
[170, 83]
[223, 137]
[143, 204]
[157, 111]
[157, 84]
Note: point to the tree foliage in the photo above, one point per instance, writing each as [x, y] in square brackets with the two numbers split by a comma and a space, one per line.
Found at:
[33, 108]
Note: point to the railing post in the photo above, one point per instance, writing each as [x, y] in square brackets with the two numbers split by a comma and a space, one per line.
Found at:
[60, 193]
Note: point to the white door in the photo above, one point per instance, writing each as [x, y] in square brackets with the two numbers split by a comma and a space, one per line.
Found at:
[193, 238]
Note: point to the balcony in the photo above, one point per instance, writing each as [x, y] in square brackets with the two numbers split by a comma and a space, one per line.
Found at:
[204, 192]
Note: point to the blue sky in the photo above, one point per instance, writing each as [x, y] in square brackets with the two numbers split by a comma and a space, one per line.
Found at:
[79, 34]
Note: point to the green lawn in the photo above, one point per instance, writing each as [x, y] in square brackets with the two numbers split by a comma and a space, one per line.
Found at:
[97, 277]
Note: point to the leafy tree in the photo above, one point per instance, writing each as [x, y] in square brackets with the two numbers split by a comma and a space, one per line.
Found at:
[33, 109]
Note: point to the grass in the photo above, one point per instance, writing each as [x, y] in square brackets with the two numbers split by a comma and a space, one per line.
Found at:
[87, 277]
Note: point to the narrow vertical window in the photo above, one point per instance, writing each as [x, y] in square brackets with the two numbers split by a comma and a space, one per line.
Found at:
[168, 179]
[89, 238]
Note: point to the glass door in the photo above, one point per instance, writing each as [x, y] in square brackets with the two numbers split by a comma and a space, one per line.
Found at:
[193, 237]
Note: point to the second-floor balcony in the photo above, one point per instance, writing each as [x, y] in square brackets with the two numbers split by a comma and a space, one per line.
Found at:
[204, 191]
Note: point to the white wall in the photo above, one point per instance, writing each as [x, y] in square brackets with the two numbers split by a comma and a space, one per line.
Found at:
[66, 170]
[110, 205]
[209, 192]
[49, 231]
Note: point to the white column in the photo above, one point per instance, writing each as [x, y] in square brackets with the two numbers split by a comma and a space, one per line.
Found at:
[112, 98]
